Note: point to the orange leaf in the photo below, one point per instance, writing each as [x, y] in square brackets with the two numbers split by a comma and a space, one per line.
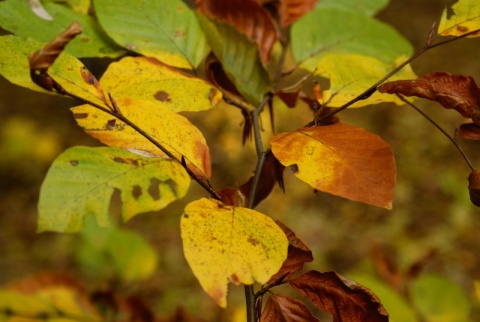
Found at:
[451, 91]
[469, 131]
[249, 17]
[345, 299]
[340, 159]
[280, 308]
[298, 254]
[474, 187]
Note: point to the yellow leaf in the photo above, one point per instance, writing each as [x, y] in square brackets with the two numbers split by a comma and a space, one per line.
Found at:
[170, 129]
[225, 244]
[465, 17]
[340, 159]
[350, 75]
[142, 78]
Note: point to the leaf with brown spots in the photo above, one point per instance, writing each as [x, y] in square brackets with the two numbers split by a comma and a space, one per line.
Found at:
[85, 179]
[280, 308]
[457, 92]
[464, 18]
[343, 298]
[146, 79]
[340, 159]
[248, 17]
[298, 255]
[225, 244]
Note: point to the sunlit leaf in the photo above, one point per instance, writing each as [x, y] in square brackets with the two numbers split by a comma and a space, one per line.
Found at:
[340, 159]
[248, 17]
[368, 7]
[439, 300]
[82, 180]
[462, 17]
[280, 308]
[53, 297]
[458, 92]
[225, 244]
[328, 30]
[350, 75]
[18, 17]
[166, 30]
[298, 255]
[239, 58]
[127, 252]
[345, 299]
[141, 78]
[171, 130]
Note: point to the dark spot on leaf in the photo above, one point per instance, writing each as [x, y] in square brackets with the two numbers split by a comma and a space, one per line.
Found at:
[119, 160]
[111, 124]
[126, 161]
[173, 186]
[87, 76]
[80, 115]
[253, 241]
[294, 168]
[462, 29]
[85, 39]
[74, 162]
[162, 96]
[131, 46]
[234, 279]
[153, 190]
[185, 216]
[179, 33]
[136, 191]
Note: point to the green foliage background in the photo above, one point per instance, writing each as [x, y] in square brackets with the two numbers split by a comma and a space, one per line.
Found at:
[431, 211]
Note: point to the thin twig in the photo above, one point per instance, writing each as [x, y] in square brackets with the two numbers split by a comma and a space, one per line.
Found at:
[439, 128]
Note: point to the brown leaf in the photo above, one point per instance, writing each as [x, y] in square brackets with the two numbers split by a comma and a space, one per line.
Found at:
[469, 131]
[280, 308]
[298, 254]
[272, 172]
[292, 10]
[42, 59]
[232, 197]
[249, 17]
[345, 299]
[458, 92]
[474, 187]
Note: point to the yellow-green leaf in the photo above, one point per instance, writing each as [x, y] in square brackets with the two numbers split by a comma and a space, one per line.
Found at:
[166, 30]
[142, 78]
[225, 244]
[82, 180]
[67, 70]
[170, 129]
[464, 17]
[350, 75]
[340, 159]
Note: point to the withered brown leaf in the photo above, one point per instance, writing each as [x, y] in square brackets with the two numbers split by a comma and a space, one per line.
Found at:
[457, 92]
[280, 308]
[42, 59]
[469, 131]
[249, 17]
[345, 299]
[474, 187]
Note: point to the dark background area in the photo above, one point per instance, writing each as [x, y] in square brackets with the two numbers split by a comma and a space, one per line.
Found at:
[432, 212]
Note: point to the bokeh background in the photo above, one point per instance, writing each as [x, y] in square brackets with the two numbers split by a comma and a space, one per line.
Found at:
[432, 216]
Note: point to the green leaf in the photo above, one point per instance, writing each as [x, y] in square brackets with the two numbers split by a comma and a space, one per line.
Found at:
[230, 244]
[439, 300]
[367, 7]
[239, 57]
[166, 30]
[330, 30]
[115, 251]
[82, 180]
[350, 75]
[397, 308]
[18, 18]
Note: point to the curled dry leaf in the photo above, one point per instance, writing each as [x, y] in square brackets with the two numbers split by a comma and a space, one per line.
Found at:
[457, 92]
[280, 308]
[345, 299]
[272, 173]
[298, 254]
[292, 10]
[474, 187]
[340, 159]
[469, 131]
[42, 59]
[249, 18]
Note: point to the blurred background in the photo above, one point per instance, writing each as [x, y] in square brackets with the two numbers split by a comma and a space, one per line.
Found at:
[432, 226]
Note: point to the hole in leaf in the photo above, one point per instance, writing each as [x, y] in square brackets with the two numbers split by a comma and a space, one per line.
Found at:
[153, 189]
[136, 191]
